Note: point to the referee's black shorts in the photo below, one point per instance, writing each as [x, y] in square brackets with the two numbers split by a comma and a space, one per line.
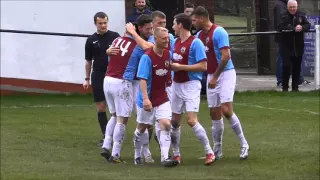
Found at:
[97, 78]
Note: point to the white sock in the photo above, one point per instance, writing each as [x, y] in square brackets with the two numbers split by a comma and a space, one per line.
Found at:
[165, 141]
[236, 126]
[118, 138]
[157, 127]
[145, 145]
[201, 134]
[138, 140]
[107, 143]
[175, 140]
[146, 149]
[217, 131]
[137, 143]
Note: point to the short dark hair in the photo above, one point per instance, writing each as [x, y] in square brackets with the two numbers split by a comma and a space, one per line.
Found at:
[200, 11]
[100, 15]
[159, 14]
[144, 19]
[136, 27]
[188, 5]
[184, 19]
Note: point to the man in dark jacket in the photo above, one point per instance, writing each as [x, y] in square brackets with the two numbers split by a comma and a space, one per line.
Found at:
[292, 43]
[139, 9]
[279, 8]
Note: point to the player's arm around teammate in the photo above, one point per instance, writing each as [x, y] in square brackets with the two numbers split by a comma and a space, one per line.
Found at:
[145, 31]
[140, 41]
[152, 101]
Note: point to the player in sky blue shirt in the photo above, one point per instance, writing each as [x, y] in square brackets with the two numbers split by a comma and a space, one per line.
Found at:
[221, 82]
[189, 61]
[190, 52]
[145, 72]
[220, 40]
[159, 20]
[172, 41]
[152, 101]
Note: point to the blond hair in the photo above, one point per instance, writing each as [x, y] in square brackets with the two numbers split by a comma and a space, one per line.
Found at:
[159, 30]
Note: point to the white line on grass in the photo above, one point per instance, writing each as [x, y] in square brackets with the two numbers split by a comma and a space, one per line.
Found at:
[278, 109]
[87, 105]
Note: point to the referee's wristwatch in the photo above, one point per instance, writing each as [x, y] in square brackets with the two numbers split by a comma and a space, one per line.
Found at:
[87, 79]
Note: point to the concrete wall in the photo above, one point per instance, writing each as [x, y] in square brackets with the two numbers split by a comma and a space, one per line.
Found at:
[51, 58]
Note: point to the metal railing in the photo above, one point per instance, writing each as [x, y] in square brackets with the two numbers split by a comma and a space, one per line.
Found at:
[317, 43]
[86, 35]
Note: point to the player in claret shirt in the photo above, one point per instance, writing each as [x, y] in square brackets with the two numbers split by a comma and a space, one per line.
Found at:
[119, 96]
[152, 102]
[189, 61]
[158, 20]
[221, 80]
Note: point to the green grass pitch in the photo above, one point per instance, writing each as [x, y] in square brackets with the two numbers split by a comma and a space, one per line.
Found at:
[55, 137]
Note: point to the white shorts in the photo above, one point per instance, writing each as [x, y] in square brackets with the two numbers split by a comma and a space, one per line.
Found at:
[186, 95]
[224, 90]
[169, 92]
[119, 96]
[136, 86]
[160, 112]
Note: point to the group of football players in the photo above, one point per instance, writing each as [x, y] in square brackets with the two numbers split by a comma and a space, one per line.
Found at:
[155, 77]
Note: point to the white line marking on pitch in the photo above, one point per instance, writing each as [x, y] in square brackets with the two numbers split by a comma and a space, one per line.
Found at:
[86, 105]
[278, 109]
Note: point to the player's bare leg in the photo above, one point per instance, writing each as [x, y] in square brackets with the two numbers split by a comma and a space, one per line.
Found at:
[102, 117]
[217, 130]
[107, 143]
[201, 134]
[175, 136]
[140, 137]
[118, 138]
[227, 110]
[165, 141]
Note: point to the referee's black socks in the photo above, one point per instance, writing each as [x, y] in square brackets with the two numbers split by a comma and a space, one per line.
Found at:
[103, 121]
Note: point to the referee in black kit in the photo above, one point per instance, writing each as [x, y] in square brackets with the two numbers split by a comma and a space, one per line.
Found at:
[96, 49]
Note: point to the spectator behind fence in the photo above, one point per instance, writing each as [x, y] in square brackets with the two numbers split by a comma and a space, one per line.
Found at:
[139, 9]
[279, 8]
[292, 43]
[188, 9]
